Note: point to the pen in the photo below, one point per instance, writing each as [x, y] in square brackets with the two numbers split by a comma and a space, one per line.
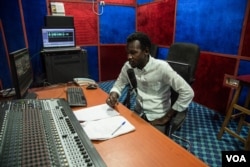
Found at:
[81, 121]
[118, 128]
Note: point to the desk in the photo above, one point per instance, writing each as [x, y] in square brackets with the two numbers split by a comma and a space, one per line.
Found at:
[145, 147]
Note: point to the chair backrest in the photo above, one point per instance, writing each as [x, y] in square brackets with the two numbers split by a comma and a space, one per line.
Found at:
[183, 58]
[186, 54]
[153, 50]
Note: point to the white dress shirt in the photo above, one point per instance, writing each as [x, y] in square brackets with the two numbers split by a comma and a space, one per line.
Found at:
[153, 86]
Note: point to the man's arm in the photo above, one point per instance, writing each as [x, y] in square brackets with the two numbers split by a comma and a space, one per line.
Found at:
[118, 86]
[185, 97]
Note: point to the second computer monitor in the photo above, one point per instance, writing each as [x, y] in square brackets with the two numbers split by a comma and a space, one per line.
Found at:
[58, 37]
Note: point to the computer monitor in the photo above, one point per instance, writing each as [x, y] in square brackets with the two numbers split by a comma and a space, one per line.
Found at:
[58, 37]
[22, 74]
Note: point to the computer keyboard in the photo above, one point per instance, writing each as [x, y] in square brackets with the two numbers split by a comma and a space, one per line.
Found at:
[76, 97]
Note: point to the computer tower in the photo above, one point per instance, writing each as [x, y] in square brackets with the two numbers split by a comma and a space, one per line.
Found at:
[63, 66]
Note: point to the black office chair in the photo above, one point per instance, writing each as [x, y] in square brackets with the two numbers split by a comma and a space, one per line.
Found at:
[183, 58]
[154, 50]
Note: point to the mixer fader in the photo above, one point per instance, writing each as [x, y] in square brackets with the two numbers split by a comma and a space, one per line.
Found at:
[43, 133]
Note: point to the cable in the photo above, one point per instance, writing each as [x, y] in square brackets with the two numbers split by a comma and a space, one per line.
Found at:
[93, 8]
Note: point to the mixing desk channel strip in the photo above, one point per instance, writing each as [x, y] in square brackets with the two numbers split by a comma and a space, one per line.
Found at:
[43, 133]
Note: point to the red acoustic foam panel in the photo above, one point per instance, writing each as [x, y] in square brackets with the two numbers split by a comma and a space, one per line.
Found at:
[208, 84]
[85, 22]
[112, 59]
[157, 20]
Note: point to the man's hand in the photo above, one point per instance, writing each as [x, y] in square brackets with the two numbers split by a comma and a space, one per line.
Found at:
[112, 100]
[165, 119]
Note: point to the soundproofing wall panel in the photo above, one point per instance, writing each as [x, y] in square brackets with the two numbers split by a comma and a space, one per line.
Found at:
[244, 68]
[93, 65]
[215, 26]
[208, 84]
[112, 59]
[4, 74]
[162, 53]
[157, 20]
[116, 23]
[246, 39]
[85, 21]
[33, 32]
[12, 25]
[140, 2]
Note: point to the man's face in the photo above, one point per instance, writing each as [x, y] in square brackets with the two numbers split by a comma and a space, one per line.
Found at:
[136, 56]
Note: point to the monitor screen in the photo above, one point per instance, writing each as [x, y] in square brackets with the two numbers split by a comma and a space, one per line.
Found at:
[22, 74]
[58, 37]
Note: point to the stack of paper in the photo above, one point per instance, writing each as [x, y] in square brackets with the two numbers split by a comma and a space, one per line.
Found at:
[103, 122]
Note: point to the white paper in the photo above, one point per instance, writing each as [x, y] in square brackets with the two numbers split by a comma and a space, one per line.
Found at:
[96, 112]
[57, 9]
[107, 128]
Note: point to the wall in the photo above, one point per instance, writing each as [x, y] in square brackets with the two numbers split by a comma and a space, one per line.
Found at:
[220, 28]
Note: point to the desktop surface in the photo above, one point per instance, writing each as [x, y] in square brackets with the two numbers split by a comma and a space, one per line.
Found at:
[145, 146]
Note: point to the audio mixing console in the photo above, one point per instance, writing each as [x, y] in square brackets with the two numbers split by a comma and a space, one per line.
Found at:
[43, 133]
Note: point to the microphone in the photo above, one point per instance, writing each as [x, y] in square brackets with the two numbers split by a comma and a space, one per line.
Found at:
[132, 79]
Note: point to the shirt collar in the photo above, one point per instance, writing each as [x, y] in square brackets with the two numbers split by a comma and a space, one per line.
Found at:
[148, 65]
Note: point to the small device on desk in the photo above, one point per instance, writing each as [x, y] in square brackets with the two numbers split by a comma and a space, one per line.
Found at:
[8, 92]
[91, 86]
[83, 81]
[76, 97]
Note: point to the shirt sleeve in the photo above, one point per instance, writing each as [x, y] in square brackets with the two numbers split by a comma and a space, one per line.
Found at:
[121, 81]
[184, 90]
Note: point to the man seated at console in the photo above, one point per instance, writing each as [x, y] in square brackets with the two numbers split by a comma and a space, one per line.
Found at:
[154, 80]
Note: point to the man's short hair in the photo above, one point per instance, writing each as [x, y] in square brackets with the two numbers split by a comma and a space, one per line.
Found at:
[142, 37]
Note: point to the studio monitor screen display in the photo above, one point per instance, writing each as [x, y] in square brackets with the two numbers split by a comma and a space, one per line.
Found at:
[58, 37]
[22, 74]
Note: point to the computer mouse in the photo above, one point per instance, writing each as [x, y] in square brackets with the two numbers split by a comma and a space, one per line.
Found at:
[92, 86]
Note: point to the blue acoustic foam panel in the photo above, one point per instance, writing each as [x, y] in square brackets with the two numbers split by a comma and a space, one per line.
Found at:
[214, 25]
[116, 24]
[34, 12]
[4, 74]
[12, 25]
[92, 52]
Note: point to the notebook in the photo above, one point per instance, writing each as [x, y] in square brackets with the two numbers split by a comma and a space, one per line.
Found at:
[58, 39]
